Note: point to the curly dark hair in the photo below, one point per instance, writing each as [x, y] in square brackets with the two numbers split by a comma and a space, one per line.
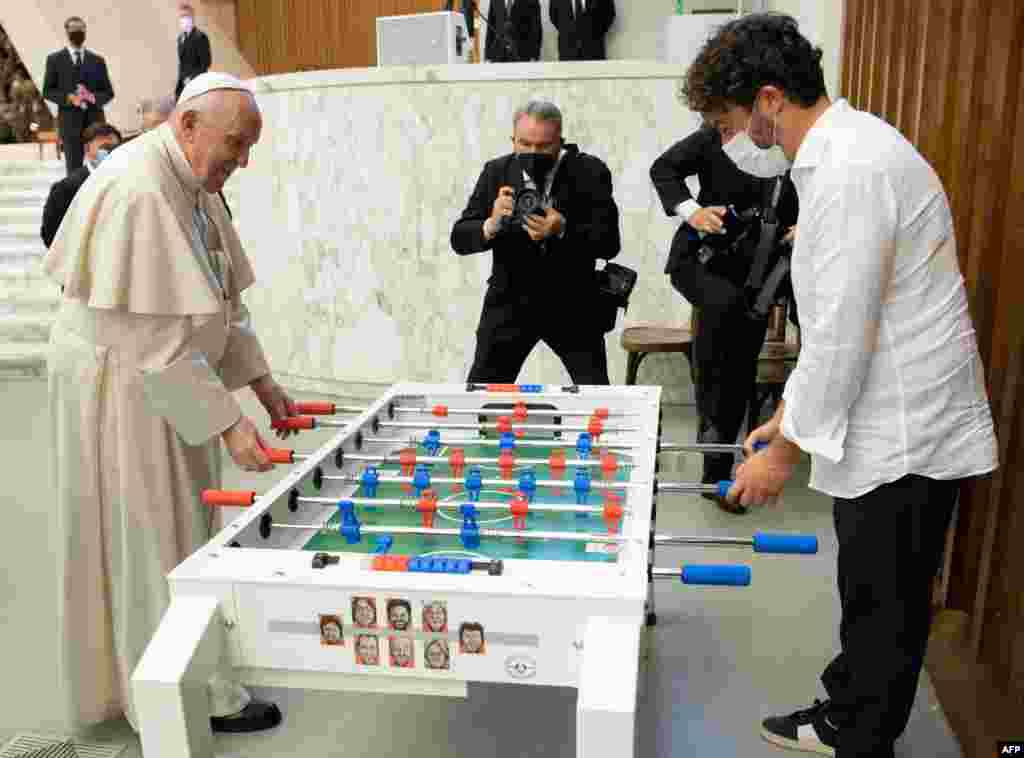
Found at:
[749, 53]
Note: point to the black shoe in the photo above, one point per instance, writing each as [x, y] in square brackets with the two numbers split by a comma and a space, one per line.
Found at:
[255, 717]
[807, 730]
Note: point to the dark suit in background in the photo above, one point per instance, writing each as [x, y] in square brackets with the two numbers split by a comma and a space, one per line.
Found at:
[194, 57]
[61, 81]
[520, 26]
[581, 35]
[728, 343]
[543, 292]
[58, 202]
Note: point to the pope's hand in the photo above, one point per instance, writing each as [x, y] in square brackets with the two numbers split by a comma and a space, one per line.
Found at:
[541, 227]
[247, 448]
[277, 402]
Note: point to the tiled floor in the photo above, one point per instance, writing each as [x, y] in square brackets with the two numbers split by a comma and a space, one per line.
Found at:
[722, 658]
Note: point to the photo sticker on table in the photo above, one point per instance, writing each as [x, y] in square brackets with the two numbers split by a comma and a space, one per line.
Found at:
[399, 615]
[471, 638]
[401, 652]
[367, 648]
[436, 655]
[364, 612]
[435, 616]
[331, 630]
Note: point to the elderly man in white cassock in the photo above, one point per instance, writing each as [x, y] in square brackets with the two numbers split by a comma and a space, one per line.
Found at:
[149, 343]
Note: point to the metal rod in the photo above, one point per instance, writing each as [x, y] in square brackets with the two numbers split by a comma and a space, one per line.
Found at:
[669, 539]
[493, 482]
[684, 487]
[625, 447]
[524, 427]
[537, 412]
[484, 506]
[663, 573]
[700, 447]
[498, 533]
[593, 462]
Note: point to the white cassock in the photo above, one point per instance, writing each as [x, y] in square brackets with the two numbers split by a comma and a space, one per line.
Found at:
[150, 340]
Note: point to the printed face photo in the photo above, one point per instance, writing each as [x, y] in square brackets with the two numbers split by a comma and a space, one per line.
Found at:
[399, 615]
[330, 630]
[435, 617]
[367, 650]
[364, 612]
[401, 652]
[436, 654]
[471, 639]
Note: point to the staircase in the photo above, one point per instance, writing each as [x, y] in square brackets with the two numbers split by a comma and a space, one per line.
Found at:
[27, 300]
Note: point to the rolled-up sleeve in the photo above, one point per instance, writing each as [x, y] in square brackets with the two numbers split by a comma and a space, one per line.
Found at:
[843, 263]
[243, 358]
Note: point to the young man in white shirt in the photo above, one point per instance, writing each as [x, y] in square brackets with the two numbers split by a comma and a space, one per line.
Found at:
[888, 396]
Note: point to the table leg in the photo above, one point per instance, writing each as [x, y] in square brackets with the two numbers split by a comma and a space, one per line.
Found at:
[606, 709]
[170, 684]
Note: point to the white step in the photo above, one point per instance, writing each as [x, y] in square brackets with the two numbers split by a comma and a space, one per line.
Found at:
[23, 358]
[40, 298]
[25, 328]
[28, 183]
[27, 255]
[33, 198]
[31, 167]
[27, 216]
[19, 235]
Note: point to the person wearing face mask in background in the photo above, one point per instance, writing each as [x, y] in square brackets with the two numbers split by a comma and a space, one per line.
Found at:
[543, 283]
[729, 340]
[99, 140]
[77, 82]
[888, 395]
[194, 56]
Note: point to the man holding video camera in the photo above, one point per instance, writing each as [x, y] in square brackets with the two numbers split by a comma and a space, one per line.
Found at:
[546, 212]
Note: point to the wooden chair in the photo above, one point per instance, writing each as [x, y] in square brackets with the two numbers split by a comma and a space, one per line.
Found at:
[641, 341]
[774, 364]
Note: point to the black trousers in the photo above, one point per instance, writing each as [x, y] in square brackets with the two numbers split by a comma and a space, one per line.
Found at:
[725, 350]
[891, 542]
[511, 326]
[71, 124]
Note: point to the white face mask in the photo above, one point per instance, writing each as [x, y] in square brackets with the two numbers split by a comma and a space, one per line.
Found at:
[764, 163]
[186, 24]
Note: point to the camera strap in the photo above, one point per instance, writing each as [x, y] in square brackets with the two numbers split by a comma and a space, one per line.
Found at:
[766, 252]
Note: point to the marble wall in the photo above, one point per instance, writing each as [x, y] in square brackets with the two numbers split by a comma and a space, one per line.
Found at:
[350, 196]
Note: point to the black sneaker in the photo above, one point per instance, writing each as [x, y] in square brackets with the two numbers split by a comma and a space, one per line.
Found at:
[807, 730]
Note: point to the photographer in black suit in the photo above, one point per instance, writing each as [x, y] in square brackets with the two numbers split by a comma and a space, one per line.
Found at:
[194, 57]
[514, 31]
[77, 82]
[729, 340]
[582, 26]
[99, 140]
[543, 283]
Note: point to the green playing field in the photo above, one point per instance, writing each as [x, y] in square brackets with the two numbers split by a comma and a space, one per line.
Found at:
[450, 497]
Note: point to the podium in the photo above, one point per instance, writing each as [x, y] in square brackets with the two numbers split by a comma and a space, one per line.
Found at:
[423, 39]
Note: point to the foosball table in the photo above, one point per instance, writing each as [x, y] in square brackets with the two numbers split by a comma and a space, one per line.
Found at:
[445, 534]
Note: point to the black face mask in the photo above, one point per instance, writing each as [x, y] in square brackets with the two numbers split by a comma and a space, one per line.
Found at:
[537, 166]
[77, 38]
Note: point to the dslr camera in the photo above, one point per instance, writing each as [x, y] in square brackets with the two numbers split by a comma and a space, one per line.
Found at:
[528, 200]
[737, 230]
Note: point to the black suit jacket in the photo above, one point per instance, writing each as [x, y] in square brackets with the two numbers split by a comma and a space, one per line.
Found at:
[62, 80]
[194, 57]
[58, 202]
[582, 39]
[522, 28]
[564, 269]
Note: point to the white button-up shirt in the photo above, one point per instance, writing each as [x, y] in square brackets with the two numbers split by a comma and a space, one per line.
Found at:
[889, 381]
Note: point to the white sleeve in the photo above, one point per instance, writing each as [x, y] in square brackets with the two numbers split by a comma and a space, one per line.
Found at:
[847, 247]
[687, 208]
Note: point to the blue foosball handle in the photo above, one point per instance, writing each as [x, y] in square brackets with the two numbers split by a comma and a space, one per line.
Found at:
[759, 446]
[723, 487]
[719, 576]
[806, 544]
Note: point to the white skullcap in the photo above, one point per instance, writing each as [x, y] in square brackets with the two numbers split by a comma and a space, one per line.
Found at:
[209, 82]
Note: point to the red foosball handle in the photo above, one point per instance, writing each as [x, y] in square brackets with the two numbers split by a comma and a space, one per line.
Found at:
[294, 423]
[279, 455]
[316, 409]
[236, 498]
